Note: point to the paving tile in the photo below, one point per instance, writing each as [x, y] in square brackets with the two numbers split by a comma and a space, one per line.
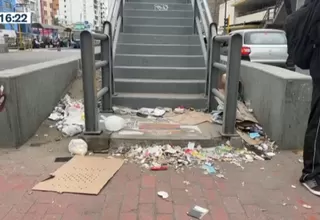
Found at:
[146, 212]
[128, 216]
[13, 215]
[164, 206]
[255, 212]
[147, 195]
[148, 181]
[233, 205]
[164, 217]
[52, 217]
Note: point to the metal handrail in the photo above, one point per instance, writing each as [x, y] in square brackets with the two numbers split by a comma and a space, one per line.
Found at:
[202, 15]
[232, 70]
[277, 6]
[111, 28]
[214, 66]
[276, 10]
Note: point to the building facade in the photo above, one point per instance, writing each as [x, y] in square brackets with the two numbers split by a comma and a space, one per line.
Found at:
[21, 6]
[7, 6]
[82, 11]
[47, 15]
[251, 12]
[55, 7]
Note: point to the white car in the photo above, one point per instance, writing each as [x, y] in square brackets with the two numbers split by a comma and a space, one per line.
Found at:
[268, 46]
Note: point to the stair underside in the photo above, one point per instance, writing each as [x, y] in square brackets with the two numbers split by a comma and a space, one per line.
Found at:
[159, 61]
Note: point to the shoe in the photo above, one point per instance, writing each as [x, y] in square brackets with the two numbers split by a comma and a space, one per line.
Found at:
[312, 185]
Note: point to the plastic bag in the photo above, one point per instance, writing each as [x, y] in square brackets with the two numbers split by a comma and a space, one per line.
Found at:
[71, 130]
[114, 123]
[78, 147]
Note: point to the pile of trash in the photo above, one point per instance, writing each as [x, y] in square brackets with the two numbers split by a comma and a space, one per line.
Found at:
[248, 128]
[69, 116]
[147, 112]
[160, 157]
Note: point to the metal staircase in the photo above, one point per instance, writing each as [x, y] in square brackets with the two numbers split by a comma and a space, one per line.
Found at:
[159, 61]
[151, 54]
[273, 14]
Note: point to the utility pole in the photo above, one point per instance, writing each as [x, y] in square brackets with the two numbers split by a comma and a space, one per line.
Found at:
[225, 17]
[102, 11]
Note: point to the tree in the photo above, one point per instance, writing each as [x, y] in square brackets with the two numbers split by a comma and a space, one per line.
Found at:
[56, 21]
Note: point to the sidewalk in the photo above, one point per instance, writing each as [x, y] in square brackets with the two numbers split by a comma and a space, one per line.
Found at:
[262, 191]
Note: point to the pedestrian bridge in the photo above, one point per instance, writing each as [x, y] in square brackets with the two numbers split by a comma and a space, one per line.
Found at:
[158, 61]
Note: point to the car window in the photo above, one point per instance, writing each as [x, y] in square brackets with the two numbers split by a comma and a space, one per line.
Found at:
[266, 38]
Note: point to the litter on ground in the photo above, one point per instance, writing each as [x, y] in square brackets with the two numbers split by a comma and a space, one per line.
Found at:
[163, 194]
[197, 212]
[160, 157]
[69, 116]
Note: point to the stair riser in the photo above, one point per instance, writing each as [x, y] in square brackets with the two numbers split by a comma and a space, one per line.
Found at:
[158, 30]
[141, 87]
[164, 14]
[157, 6]
[159, 61]
[158, 73]
[161, 1]
[152, 39]
[158, 21]
[158, 50]
[152, 102]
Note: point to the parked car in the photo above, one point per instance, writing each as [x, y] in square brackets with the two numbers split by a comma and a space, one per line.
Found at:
[268, 46]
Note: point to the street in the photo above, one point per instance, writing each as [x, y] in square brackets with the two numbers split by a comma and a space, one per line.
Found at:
[23, 58]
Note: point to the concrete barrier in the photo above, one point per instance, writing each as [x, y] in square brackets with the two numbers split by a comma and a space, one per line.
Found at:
[32, 92]
[4, 48]
[281, 101]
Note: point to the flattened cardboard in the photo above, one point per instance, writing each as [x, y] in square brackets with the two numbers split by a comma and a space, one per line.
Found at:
[243, 114]
[83, 175]
[247, 138]
[189, 118]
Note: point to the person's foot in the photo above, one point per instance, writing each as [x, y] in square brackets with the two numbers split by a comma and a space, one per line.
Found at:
[312, 185]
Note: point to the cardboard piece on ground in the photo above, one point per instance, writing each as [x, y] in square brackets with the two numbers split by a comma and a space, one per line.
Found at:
[158, 126]
[189, 118]
[243, 113]
[83, 175]
[247, 138]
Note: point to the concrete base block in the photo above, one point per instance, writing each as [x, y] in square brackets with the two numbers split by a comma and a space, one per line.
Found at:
[281, 101]
[32, 92]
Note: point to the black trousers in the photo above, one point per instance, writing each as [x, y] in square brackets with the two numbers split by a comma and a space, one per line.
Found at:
[311, 150]
[288, 6]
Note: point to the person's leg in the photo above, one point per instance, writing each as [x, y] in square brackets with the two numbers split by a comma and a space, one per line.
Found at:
[288, 6]
[311, 152]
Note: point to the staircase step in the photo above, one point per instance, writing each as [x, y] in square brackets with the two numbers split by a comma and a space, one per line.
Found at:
[151, 13]
[159, 49]
[180, 86]
[157, 6]
[142, 72]
[152, 100]
[153, 29]
[158, 39]
[162, 1]
[158, 21]
[159, 60]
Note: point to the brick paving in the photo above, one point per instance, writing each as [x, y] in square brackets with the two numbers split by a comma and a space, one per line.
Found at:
[252, 193]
